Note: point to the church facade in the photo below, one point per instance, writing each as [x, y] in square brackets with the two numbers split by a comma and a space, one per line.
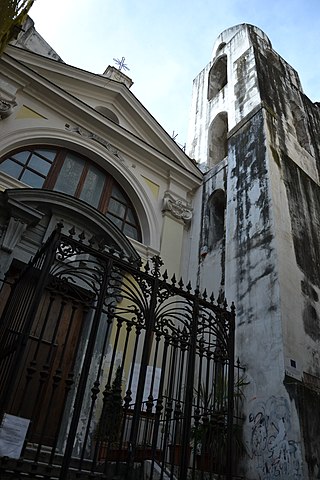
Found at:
[237, 215]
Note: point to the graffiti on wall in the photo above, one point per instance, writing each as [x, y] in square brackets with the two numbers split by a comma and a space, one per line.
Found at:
[275, 455]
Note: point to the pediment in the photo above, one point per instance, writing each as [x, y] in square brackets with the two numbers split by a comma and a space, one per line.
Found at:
[108, 101]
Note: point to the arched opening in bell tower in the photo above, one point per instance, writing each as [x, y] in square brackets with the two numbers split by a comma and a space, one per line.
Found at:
[218, 77]
[218, 139]
[216, 214]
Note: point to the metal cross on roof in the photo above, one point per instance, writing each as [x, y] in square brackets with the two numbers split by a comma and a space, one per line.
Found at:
[121, 63]
[174, 135]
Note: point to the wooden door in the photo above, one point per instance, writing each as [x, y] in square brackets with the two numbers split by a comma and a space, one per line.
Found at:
[46, 373]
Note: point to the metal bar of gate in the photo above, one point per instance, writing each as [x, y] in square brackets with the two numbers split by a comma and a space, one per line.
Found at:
[231, 334]
[189, 387]
[85, 372]
[148, 341]
[30, 315]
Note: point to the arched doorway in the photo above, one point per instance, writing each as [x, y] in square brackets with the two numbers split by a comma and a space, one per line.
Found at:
[47, 314]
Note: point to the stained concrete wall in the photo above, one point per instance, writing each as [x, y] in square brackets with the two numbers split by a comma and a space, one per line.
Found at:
[293, 132]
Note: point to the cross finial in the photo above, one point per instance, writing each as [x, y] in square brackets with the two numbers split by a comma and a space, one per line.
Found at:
[174, 135]
[121, 64]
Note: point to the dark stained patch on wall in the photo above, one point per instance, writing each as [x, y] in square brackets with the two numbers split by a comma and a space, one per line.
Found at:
[311, 322]
[313, 125]
[273, 85]
[304, 207]
[307, 402]
[249, 150]
[245, 81]
[309, 291]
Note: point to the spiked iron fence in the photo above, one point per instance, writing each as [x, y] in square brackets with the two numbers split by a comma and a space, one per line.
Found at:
[120, 371]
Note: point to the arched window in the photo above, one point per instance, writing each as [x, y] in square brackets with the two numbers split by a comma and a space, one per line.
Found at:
[216, 211]
[68, 172]
[220, 47]
[218, 139]
[218, 77]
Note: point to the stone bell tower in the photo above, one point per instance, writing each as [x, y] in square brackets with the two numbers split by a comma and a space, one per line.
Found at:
[256, 137]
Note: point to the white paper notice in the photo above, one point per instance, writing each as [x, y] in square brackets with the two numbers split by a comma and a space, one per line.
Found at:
[13, 431]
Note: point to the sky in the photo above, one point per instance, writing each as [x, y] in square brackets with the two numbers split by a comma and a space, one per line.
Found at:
[167, 43]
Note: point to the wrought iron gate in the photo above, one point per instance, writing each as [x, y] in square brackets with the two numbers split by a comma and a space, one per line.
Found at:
[119, 370]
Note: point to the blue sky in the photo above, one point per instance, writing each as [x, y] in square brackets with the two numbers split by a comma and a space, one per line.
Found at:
[167, 43]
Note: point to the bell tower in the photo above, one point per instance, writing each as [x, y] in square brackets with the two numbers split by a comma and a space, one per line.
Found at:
[255, 136]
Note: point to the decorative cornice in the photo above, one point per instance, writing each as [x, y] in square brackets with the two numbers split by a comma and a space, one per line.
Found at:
[92, 136]
[177, 208]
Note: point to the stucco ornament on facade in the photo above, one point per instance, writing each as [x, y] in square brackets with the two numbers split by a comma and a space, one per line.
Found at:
[178, 208]
[13, 233]
[92, 136]
[6, 108]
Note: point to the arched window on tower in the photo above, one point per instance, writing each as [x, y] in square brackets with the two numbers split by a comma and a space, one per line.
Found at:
[218, 139]
[220, 47]
[216, 212]
[218, 77]
[69, 172]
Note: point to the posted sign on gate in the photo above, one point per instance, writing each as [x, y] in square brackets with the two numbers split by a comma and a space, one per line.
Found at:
[13, 431]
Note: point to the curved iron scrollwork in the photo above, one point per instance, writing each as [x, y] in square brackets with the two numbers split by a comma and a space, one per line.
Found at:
[87, 330]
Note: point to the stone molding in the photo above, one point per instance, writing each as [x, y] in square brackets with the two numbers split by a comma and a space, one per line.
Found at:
[177, 208]
[6, 108]
[92, 136]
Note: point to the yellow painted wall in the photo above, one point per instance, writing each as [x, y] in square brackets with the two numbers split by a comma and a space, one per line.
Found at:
[171, 244]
